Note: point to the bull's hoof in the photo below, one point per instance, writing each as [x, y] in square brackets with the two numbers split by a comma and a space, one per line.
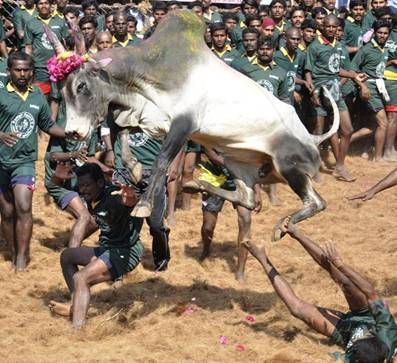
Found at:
[136, 172]
[192, 187]
[142, 210]
[277, 233]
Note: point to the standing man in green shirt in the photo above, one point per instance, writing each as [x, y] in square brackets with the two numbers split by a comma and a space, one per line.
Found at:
[371, 59]
[353, 32]
[23, 109]
[323, 68]
[121, 37]
[37, 44]
[370, 17]
[278, 9]
[20, 17]
[250, 45]
[368, 332]
[88, 26]
[219, 44]
[90, 8]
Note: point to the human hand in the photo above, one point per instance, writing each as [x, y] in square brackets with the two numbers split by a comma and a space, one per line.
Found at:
[315, 99]
[332, 254]
[365, 94]
[8, 138]
[288, 227]
[80, 155]
[364, 196]
[127, 194]
[309, 86]
[361, 77]
[109, 159]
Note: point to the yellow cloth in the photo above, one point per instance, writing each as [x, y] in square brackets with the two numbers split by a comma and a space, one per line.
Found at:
[215, 180]
[24, 96]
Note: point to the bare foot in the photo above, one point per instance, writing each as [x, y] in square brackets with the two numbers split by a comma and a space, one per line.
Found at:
[206, 252]
[343, 175]
[171, 220]
[63, 309]
[20, 263]
[240, 277]
[390, 157]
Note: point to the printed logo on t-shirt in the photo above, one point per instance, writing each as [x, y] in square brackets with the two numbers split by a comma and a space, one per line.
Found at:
[1, 84]
[291, 76]
[266, 85]
[391, 45]
[137, 139]
[23, 125]
[45, 42]
[380, 69]
[334, 63]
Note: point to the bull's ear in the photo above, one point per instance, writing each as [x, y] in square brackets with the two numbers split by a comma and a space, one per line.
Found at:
[104, 62]
[104, 76]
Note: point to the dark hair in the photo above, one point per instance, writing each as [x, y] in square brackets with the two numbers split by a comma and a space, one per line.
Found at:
[268, 41]
[264, 8]
[250, 31]
[72, 10]
[171, 3]
[381, 24]
[250, 3]
[19, 56]
[91, 169]
[274, 2]
[88, 3]
[308, 23]
[297, 8]
[88, 19]
[110, 14]
[343, 10]
[318, 10]
[194, 4]
[131, 18]
[70, 43]
[384, 10]
[50, 1]
[217, 26]
[370, 350]
[160, 5]
[342, 23]
[226, 16]
[354, 3]
[249, 18]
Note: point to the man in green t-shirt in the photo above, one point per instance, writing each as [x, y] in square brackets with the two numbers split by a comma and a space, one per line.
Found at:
[368, 332]
[119, 251]
[121, 37]
[323, 68]
[219, 44]
[23, 109]
[278, 9]
[370, 17]
[353, 32]
[20, 17]
[90, 8]
[37, 44]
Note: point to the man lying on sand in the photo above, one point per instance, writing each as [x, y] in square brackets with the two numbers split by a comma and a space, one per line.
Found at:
[368, 331]
[119, 251]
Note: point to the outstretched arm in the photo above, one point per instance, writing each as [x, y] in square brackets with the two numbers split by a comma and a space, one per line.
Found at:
[388, 181]
[360, 281]
[322, 322]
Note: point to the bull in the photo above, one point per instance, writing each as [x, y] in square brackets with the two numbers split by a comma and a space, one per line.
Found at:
[172, 84]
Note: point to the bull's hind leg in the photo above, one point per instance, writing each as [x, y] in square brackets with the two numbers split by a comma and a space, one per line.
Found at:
[301, 184]
[129, 160]
[180, 129]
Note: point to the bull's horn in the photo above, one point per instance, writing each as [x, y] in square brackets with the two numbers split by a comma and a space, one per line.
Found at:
[51, 36]
[318, 139]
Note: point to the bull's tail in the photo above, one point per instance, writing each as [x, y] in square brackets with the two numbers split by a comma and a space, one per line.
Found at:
[318, 139]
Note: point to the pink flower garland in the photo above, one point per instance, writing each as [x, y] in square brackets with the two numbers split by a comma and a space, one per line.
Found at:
[60, 66]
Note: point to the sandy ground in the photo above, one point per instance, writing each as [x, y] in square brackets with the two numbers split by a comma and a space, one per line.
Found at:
[179, 315]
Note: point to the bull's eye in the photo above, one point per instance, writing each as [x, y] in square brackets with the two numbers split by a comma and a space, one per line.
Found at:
[81, 87]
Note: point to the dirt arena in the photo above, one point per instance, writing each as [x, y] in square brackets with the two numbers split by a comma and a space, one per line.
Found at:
[179, 315]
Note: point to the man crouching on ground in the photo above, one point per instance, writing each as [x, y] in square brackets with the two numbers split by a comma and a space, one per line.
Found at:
[119, 251]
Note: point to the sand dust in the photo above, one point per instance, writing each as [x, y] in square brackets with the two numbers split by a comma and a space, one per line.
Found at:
[179, 315]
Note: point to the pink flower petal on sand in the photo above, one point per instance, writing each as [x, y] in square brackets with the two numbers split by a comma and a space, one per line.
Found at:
[223, 340]
[249, 318]
[189, 310]
[240, 347]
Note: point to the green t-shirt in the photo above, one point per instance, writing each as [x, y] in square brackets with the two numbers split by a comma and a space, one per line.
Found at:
[22, 117]
[272, 78]
[368, 20]
[353, 34]
[292, 66]
[212, 17]
[145, 148]
[2, 32]
[101, 23]
[42, 49]
[381, 323]
[323, 60]
[20, 17]
[371, 59]
[130, 41]
[3, 72]
[391, 46]
[281, 28]
[228, 55]
[347, 87]
[64, 145]
[239, 62]
[117, 228]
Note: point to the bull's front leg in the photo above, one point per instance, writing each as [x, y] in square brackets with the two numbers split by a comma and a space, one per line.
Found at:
[129, 160]
[180, 130]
